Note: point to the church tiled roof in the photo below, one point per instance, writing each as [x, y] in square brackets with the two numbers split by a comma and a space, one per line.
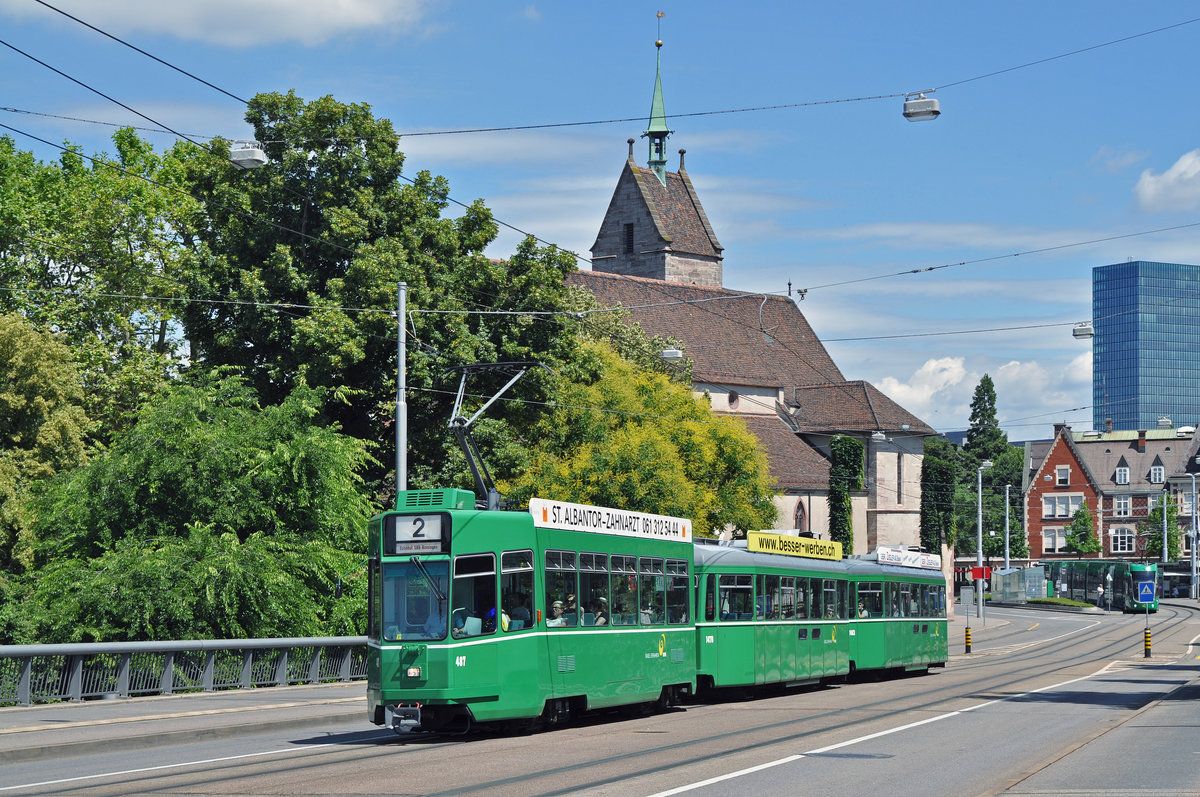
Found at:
[793, 463]
[852, 407]
[732, 337]
[677, 212]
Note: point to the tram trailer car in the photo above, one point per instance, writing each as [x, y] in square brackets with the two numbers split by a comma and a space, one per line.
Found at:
[772, 619]
[1119, 578]
[489, 616]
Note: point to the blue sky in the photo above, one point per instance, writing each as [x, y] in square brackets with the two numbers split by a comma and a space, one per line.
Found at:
[829, 195]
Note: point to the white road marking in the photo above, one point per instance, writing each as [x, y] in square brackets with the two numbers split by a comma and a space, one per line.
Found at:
[305, 749]
[868, 737]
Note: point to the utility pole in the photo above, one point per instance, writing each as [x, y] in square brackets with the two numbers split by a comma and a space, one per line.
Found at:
[401, 398]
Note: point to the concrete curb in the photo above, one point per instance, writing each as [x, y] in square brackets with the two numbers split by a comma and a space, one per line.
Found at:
[159, 739]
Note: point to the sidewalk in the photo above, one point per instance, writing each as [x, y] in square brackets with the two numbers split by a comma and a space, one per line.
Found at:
[32, 733]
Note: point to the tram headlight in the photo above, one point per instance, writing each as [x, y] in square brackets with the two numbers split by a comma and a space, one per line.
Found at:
[414, 672]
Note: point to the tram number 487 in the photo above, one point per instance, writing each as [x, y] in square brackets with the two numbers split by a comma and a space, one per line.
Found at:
[460, 661]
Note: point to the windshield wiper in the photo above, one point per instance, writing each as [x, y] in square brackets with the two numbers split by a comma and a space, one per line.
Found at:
[416, 560]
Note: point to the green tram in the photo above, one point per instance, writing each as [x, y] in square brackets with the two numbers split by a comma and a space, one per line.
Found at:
[768, 618]
[1078, 579]
[486, 616]
[479, 615]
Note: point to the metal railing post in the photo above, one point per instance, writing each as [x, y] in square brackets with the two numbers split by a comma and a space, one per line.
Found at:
[281, 668]
[247, 668]
[210, 666]
[24, 696]
[166, 681]
[123, 675]
[314, 666]
[74, 668]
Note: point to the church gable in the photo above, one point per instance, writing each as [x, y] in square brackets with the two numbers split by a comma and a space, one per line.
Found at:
[657, 230]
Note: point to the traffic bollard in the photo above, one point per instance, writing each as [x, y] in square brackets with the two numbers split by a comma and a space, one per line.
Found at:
[969, 640]
[1147, 642]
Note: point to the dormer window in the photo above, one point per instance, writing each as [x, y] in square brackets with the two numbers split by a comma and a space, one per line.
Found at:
[1157, 474]
[1062, 475]
[1122, 475]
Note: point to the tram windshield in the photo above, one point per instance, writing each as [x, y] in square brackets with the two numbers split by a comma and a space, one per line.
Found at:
[415, 600]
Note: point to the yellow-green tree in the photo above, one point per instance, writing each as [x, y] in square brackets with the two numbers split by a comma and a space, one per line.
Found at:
[42, 426]
[629, 438]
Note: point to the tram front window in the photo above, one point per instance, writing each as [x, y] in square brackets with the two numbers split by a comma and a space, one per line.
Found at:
[415, 603]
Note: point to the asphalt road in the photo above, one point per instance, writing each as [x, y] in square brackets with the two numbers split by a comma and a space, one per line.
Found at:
[1047, 703]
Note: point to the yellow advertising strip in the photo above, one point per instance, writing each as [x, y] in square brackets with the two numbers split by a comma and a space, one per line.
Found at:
[788, 545]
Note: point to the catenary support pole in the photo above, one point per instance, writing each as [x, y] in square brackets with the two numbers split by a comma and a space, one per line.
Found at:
[401, 397]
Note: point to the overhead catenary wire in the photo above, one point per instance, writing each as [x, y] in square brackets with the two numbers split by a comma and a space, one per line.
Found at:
[682, 115]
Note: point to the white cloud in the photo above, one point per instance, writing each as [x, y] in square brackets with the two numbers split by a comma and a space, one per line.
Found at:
[238, 23]
[1178, 188]
[531, 13]
[927, 386]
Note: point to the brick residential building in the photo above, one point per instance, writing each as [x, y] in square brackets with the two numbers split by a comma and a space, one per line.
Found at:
[1120, 476]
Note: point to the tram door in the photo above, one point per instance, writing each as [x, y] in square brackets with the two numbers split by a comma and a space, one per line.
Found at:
[768, 630]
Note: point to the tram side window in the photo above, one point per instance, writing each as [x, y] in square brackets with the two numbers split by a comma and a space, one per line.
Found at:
[473, 595]
[709, 592]
[653, 590]
[772, 597]
[562, 605]
[737, 597]
[809, 605]
[870, 599]
[843, 600]
[893, 600]
[624, 590]
[787, 597]
[593, 589]
[677, 591]
[907, 603]
[516, 589]
[374, 601]
[760, 604]
[941, 601]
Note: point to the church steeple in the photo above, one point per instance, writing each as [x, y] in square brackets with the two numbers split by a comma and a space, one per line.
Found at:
[657, 132]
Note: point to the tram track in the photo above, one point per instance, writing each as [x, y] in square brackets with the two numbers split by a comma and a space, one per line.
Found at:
[367, 747]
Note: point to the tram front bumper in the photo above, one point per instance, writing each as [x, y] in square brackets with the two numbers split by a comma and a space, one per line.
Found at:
[402, 719]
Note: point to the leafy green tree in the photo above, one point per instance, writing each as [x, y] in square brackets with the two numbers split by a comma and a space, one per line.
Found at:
[210, 454]
[42, 426]
[297, 265]
[1005, 470]
[1081, 533]
[1151, 529]
[938, 478]
[628, 438]
[845, 477]
[197, 585]
[985, 438]
[86, 246]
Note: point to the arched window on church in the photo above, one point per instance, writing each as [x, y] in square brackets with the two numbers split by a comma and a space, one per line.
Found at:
[801, 519]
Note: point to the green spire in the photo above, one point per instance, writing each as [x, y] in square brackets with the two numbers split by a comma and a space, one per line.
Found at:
[658, 131]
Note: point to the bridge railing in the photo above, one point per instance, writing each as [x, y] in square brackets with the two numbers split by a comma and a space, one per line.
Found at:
[42, 673]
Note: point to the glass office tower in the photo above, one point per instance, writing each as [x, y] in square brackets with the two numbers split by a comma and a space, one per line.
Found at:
[1146, 352]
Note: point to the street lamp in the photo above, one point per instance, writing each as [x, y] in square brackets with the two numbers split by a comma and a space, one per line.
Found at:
[987, 463]
[919, 108]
